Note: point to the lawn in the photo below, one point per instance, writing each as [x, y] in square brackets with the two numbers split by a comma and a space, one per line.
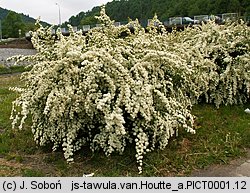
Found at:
[222, 134]
[12, 69]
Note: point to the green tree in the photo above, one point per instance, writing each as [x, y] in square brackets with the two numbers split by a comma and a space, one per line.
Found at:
[12, 24]
[234, 6]
[121, 10]
[30, 27]
[246, 7]
[194, 10]
[89, 20]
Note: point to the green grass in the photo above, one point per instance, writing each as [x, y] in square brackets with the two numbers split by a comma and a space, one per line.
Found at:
[6, 98]
[12, 69]
[221, 135]
[32, 173]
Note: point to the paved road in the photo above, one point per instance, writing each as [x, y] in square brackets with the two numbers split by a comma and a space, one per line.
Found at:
[8, 52]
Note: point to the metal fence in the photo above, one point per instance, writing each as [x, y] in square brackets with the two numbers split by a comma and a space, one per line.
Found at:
[117, 24]
[219, 18]
[0, 30]
[201, 18]
[175, 21]
[86, 28]
[229, 16]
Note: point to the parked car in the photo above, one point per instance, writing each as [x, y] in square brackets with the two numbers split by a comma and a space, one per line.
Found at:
[188, 20]
[182, 21]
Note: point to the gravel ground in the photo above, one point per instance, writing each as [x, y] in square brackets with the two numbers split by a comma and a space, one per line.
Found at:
[8, 52]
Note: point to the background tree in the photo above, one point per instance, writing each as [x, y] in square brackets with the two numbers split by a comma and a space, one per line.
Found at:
[121, 10]
[12, 24]
[30, 27]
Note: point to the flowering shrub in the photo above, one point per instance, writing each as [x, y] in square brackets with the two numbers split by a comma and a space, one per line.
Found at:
[106, 90]
[225, 69]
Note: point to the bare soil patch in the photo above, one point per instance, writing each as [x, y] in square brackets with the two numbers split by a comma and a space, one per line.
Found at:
[17, 43]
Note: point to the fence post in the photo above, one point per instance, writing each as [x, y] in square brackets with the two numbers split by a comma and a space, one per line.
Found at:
[1, 36]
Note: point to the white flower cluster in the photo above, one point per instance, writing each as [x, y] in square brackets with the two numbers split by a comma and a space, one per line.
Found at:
[107, 89]
[221, 54]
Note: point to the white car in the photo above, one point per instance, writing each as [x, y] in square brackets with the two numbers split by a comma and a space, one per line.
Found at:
[188, 20]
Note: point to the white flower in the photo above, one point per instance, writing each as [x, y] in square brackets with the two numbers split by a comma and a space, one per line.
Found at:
[107, 91]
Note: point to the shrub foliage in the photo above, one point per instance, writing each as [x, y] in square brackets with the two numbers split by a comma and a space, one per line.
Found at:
[115, 87]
